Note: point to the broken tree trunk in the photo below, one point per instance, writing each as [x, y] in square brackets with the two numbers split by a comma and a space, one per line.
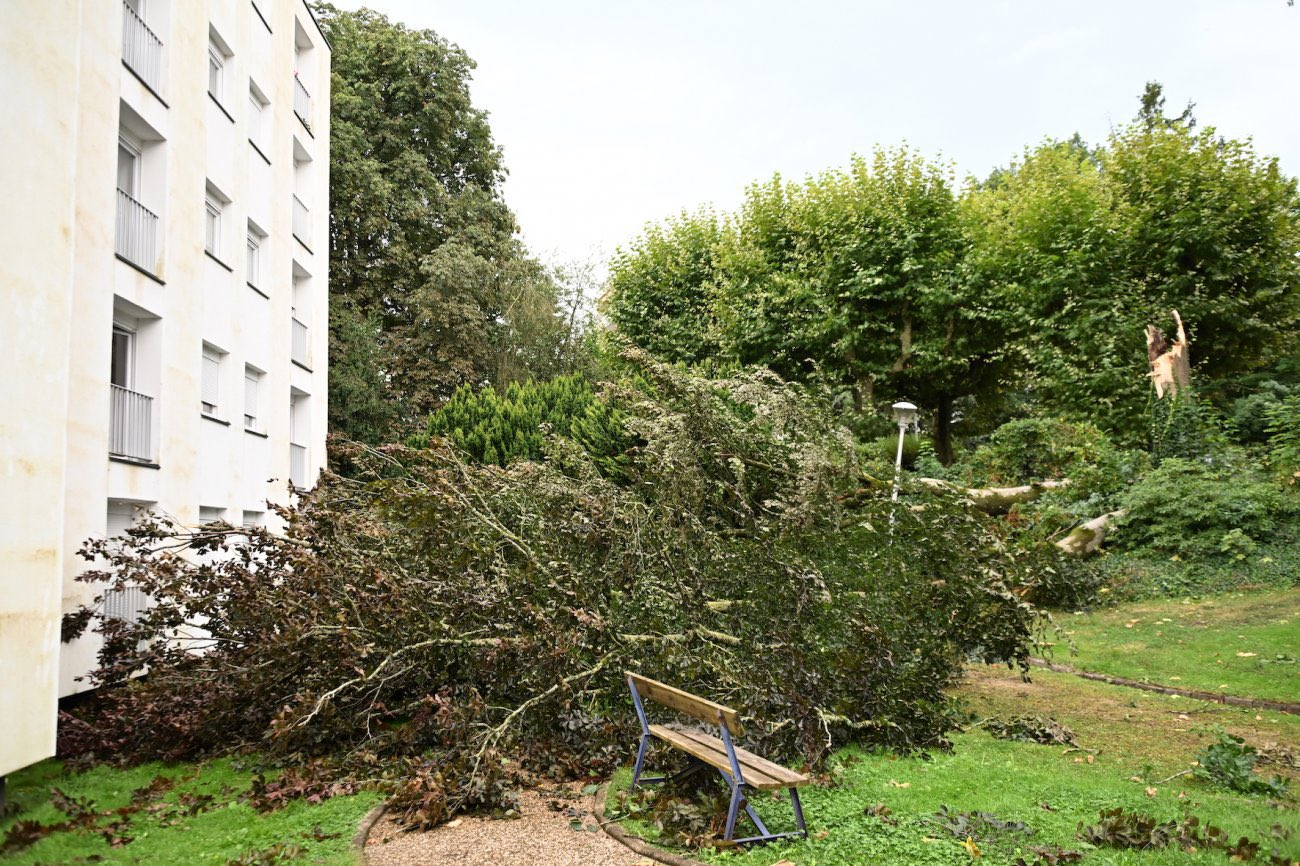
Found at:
[1170, 365]
[1086, 538]
[996, 500]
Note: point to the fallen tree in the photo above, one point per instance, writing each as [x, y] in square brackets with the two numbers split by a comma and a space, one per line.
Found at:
[441, 626]
[1086, 538]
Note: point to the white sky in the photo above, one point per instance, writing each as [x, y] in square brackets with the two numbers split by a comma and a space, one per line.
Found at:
[613, 114]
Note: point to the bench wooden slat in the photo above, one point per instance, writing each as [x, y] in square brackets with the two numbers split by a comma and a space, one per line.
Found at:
[685, 702]
[750, 762]
[757, 772]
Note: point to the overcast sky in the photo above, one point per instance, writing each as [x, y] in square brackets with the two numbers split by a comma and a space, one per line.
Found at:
[612, 114]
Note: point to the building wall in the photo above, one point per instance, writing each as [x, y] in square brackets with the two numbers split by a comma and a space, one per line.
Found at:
[66, 284]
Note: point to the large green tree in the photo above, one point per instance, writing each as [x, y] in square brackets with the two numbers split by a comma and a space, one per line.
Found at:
[1090, 247]
[854, 278]
[430, 286]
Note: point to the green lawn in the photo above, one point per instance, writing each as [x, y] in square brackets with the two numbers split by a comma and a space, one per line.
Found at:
[1240, 644]
[1134, 735]
[179, 825]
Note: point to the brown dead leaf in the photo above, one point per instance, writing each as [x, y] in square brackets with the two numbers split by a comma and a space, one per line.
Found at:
[1151, 792]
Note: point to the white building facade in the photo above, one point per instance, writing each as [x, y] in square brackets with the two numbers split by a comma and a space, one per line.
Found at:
[164, 286]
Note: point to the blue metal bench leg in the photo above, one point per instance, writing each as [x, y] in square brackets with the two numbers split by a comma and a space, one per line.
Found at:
[736, 797]
[640, 759]
[798, 812]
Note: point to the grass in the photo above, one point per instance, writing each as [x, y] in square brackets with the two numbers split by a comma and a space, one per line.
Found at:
[164, 832]
[1130, 736]
[1240, 644]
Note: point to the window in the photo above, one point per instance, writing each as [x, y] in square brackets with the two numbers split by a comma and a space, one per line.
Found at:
[257, 117]
[252, 396]
[122, 369]
[216, 70]
[211, 380]
[128, 168]
[212, 226]
[254, 519]
[253, 265]
[210, 514]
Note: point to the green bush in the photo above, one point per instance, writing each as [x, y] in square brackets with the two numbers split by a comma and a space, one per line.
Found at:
[491, 427]
[886, 449]
[1284, 440]
[1037, 449]
[1196, 511]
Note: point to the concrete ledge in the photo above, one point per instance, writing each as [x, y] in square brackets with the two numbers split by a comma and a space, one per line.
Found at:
[364, 828]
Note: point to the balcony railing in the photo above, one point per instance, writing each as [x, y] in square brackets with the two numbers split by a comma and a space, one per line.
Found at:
[298, 465]
[130, 425]
[141, 49]
[301, 102]
[126, 603]
[301, 222]
[137, 232]
[298, 344]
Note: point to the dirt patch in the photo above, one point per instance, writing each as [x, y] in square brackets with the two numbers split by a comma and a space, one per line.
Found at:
[543, 835]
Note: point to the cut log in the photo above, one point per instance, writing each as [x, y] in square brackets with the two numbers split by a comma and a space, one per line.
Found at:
[1086, 538]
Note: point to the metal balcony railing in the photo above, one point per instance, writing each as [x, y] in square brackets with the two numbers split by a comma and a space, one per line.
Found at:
[298, 465]
[125, 604]
[137, 232]
[130, 425]
[301, 102]
[141, 48]
[301, 222]
[298, 343]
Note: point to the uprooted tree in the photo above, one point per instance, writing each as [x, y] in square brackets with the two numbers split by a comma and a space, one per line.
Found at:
[440, 626]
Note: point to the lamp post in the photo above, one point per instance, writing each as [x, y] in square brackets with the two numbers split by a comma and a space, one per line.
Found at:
[904, 415]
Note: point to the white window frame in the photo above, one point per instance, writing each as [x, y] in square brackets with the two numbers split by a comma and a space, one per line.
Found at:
[253, 519]
[253, 261]
[216, 71]
[252, 397]
[209, 514]
[258, 105]
[137, 156]
[212, 224]
[129, 337]
[210, 381]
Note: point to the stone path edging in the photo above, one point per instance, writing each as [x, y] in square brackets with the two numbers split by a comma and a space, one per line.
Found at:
[636, 843]
[1196, 694]
[364, 828]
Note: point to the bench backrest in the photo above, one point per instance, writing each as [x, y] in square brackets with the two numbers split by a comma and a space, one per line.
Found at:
[685, 702]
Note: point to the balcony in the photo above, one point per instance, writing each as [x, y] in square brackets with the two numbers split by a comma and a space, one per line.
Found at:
[298, 343]
[301, 102]
[298, 465]
[301, 222]
[141, 49]
[130, 425]
[137, 232]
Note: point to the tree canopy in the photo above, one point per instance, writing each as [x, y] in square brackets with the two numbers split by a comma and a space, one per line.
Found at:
[431, 288]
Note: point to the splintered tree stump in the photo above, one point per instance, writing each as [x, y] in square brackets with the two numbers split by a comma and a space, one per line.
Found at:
[1170, 367]
[1086, 538]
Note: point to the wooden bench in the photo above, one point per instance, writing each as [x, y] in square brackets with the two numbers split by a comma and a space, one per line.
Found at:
[739, 769]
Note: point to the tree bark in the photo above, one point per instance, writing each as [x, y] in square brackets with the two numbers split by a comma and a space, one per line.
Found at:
[996, 500]
[1170, 363]
[943, 430]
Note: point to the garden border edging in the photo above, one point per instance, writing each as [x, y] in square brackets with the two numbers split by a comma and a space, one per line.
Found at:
[367, 824]
[635, 843]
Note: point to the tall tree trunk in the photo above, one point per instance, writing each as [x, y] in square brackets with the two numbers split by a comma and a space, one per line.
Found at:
[943, 430]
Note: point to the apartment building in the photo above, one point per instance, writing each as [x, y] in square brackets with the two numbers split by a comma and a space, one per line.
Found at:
[164, 287]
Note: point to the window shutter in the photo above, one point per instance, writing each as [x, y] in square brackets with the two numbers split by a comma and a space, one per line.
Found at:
[250, 398]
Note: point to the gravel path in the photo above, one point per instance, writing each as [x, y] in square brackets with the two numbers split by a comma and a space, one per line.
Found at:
[542, 836]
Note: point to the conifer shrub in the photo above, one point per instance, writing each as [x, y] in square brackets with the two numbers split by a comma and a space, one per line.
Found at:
[440, 626]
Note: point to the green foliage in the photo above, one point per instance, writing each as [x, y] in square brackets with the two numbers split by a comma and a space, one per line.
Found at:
[1183, 426]
[1230, 763]
[1284, 439]
[431, 618]
[1037, 449]
[886, 449]
[422, 247]
[500, 428]
[1192, 510]
[1094, 246]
